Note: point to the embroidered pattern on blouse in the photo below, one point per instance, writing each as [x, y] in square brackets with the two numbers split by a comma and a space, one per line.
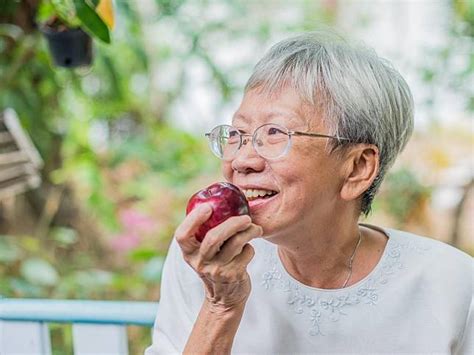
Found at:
[327, 308]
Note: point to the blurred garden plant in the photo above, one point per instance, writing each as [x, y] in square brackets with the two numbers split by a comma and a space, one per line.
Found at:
[94, 16]
[63, 23]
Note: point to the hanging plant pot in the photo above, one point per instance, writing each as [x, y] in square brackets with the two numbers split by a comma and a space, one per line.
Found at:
[70, 48]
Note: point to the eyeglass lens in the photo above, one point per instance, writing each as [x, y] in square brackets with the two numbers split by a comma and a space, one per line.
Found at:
[270, 141]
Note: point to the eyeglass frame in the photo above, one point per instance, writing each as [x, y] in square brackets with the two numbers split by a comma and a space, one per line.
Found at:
[288, 132]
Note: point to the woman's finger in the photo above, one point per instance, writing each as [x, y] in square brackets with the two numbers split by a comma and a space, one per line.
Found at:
[243, 259]
[185, 232]
[234, 246]
[216, 237]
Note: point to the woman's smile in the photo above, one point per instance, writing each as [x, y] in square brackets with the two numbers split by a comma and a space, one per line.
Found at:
[258, 196]
[259, 202]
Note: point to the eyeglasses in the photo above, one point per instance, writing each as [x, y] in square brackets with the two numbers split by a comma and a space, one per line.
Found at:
[270, 141]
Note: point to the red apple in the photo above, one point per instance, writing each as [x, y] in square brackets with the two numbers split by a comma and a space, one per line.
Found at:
[226, 201]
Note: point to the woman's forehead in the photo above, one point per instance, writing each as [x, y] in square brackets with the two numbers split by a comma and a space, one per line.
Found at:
[285, 107]
[272, 116]
[302, 117]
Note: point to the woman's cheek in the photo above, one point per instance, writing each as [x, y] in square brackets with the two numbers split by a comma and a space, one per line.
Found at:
[227, 171]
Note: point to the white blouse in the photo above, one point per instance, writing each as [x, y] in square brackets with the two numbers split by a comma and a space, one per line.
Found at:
[417, 300]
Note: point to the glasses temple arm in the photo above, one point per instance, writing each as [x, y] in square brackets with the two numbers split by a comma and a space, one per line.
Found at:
[296, 133]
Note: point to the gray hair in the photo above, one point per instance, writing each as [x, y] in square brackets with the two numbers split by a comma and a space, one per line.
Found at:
[361, 96]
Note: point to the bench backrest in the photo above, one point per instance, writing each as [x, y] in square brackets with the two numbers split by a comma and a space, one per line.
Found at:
[98, 327]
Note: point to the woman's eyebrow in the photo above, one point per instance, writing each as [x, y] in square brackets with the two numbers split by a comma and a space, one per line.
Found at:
[290, 119]
[293, 118]
[241, 117]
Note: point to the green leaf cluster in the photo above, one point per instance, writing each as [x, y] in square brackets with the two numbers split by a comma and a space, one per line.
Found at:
[76, 13]
[403, 195]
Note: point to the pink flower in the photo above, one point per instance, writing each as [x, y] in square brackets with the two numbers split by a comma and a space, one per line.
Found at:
[134, 221]
[125, 242]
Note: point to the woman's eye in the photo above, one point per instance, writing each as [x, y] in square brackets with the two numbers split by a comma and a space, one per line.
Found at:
[233, 137]
[275, 130]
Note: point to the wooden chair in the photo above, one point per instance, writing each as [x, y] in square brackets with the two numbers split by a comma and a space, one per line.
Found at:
[20, 162]
[98, 327]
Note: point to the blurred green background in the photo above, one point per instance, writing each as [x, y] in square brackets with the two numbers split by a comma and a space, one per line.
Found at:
[123, 142]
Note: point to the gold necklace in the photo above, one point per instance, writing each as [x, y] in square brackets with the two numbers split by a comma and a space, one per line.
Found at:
[351, 259]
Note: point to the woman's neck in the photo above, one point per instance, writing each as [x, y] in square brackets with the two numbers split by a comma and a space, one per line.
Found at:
[321, 259]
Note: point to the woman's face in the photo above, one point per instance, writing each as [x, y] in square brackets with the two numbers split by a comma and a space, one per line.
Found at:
[306, 181]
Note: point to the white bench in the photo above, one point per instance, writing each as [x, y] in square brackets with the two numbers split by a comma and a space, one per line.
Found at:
[98, 327]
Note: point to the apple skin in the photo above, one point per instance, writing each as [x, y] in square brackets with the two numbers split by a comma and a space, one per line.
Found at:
[226, 201]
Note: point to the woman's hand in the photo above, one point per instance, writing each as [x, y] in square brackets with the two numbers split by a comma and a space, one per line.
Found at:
[221, 259]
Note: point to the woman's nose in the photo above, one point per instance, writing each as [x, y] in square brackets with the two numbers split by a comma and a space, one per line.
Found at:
[247, 159]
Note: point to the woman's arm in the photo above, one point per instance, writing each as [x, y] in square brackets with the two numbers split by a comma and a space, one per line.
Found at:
[214, 330]
[221, 261]
[221, 264]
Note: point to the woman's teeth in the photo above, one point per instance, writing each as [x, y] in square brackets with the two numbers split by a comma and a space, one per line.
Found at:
[252, 194]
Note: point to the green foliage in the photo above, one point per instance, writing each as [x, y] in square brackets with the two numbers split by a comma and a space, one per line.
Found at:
[63, 9]
[64, 236]
[151, 270]
[8, 7]
[452, 64]
[38, 271]
[169, 7]
[403, 195]
[465, 11]
[8, 252]
[91, 21]
[75, 13]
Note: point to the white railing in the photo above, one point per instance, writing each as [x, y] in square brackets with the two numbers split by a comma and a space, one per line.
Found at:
[98, 327]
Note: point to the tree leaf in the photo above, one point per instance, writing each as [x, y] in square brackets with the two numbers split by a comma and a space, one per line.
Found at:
[93, 3]
[152, 269]
[64, 236]
[92, 21]
[8, 252]
[93, 279]
[23, 288]
[143, 254]
[39, 272]
[12, 31]
[105, 10]
[65, 10]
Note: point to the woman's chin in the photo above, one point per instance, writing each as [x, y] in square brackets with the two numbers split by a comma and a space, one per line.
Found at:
[266, 213]
[272, 231]
[263, 205]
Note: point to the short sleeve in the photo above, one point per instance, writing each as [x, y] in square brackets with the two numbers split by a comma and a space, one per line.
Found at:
[180, 288]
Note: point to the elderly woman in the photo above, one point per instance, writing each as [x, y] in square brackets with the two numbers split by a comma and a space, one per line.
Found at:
[320, 123]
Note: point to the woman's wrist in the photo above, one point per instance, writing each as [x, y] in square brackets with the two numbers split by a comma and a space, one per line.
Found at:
[224, 311]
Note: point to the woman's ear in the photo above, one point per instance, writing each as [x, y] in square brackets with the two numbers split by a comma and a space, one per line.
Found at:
[361, 168]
